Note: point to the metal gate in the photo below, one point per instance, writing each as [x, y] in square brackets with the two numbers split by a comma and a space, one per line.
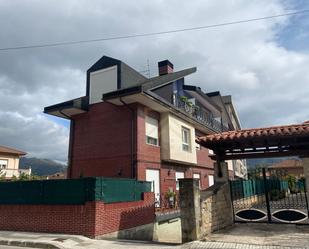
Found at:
[270, 196]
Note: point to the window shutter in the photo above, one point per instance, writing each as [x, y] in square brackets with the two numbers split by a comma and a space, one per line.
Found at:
[151, 127]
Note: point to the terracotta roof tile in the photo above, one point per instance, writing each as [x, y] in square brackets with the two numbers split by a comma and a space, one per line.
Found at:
[287, 130]
[289, 163]
[7, 150]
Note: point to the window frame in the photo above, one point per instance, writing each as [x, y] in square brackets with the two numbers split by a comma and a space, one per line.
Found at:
[177, 173]
[149, 138]
[184, 144]
[6, 165]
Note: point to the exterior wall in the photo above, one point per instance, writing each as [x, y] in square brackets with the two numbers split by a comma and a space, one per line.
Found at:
[171, 128]
[92, 219]
[203, 159]
[101, 143]
[102, 146]
[149, 156]
[147, 152]
[296, 171]
[102, 81]
[12, 167]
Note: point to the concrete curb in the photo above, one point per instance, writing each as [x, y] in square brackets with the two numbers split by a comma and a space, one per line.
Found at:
[28, 243]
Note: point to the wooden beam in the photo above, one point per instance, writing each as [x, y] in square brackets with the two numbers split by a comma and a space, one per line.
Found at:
[250, 155]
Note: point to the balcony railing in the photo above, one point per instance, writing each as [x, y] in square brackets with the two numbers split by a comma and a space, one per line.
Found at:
[198, 113]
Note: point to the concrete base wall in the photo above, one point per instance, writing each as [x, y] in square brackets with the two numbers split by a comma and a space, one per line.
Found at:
[216, 209]
[168, 231]
[144, 232]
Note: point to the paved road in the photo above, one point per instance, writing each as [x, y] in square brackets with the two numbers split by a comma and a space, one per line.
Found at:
[14, 247]
[225, 245]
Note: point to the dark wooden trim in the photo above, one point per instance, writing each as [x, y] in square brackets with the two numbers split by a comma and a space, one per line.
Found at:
[262, 154]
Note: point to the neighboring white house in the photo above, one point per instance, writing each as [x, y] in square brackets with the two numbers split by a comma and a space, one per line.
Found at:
[9, 162]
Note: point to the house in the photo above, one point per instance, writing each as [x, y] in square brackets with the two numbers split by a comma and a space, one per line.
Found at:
[289, 167]
[229, 115]
[58, 175]
[128, 125]
[9, 162]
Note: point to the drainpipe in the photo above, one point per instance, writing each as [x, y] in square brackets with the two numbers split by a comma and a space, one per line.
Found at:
[133, 164]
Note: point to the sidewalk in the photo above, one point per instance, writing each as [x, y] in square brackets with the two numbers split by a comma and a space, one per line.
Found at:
[61, 241]
[41, 240]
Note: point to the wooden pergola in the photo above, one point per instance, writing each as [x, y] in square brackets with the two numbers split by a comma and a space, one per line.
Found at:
[276, 141]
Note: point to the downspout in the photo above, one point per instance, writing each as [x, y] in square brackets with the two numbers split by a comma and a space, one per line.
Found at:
[71, 140]
[133, 165]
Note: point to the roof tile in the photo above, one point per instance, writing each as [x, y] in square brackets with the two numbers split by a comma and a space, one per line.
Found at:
[287, 130]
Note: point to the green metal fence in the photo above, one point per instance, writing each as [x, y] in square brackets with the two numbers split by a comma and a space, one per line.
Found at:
[72, 191]
[247, 188]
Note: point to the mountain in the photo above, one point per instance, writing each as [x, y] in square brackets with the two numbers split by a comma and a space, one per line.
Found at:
[253, 163]
[40, 166]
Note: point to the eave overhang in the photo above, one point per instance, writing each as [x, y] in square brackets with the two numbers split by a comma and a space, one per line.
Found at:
[198, 94]
[153, 101]
[69, 108]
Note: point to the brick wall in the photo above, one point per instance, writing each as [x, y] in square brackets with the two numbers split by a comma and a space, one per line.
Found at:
[92, 219]
[102, 147]
[102, 142]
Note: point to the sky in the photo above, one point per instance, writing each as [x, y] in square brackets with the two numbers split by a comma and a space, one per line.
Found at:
[263, 65]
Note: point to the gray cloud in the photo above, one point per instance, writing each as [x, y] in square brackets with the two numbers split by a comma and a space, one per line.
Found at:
[267, 80]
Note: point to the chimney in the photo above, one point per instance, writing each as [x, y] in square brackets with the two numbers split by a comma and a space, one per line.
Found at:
[165, 67]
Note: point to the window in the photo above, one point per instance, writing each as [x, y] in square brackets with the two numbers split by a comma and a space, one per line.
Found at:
[197, 146]
[179, 175]
[197, 176]
[186, 139]
[3, 164]
[210, 180]
[152, 131]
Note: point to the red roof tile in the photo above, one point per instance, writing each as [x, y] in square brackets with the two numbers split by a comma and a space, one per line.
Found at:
[287, 130]
[7, 150]
[290, 163]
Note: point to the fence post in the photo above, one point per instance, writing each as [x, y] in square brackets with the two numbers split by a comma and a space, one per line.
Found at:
[305, 161]
[266, 190]
[189, 196]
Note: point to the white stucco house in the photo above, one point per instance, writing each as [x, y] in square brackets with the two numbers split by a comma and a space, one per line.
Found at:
[9, 162]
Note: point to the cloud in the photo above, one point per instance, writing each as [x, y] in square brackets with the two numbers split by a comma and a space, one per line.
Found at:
[266, 75]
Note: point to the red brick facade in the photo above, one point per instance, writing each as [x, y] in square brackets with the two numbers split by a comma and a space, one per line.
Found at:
[101, 146]
[92, 219]
[101, 143]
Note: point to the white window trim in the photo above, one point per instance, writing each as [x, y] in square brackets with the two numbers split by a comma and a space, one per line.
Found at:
[177, 177]
[183, 130]
[6, 163]
[152, 122]
[199, 178]
[213, 180]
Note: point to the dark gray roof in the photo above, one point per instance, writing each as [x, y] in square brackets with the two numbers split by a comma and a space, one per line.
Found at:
[167, 78]
[150, 84]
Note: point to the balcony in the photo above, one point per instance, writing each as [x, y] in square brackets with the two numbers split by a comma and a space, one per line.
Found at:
[198, 113]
